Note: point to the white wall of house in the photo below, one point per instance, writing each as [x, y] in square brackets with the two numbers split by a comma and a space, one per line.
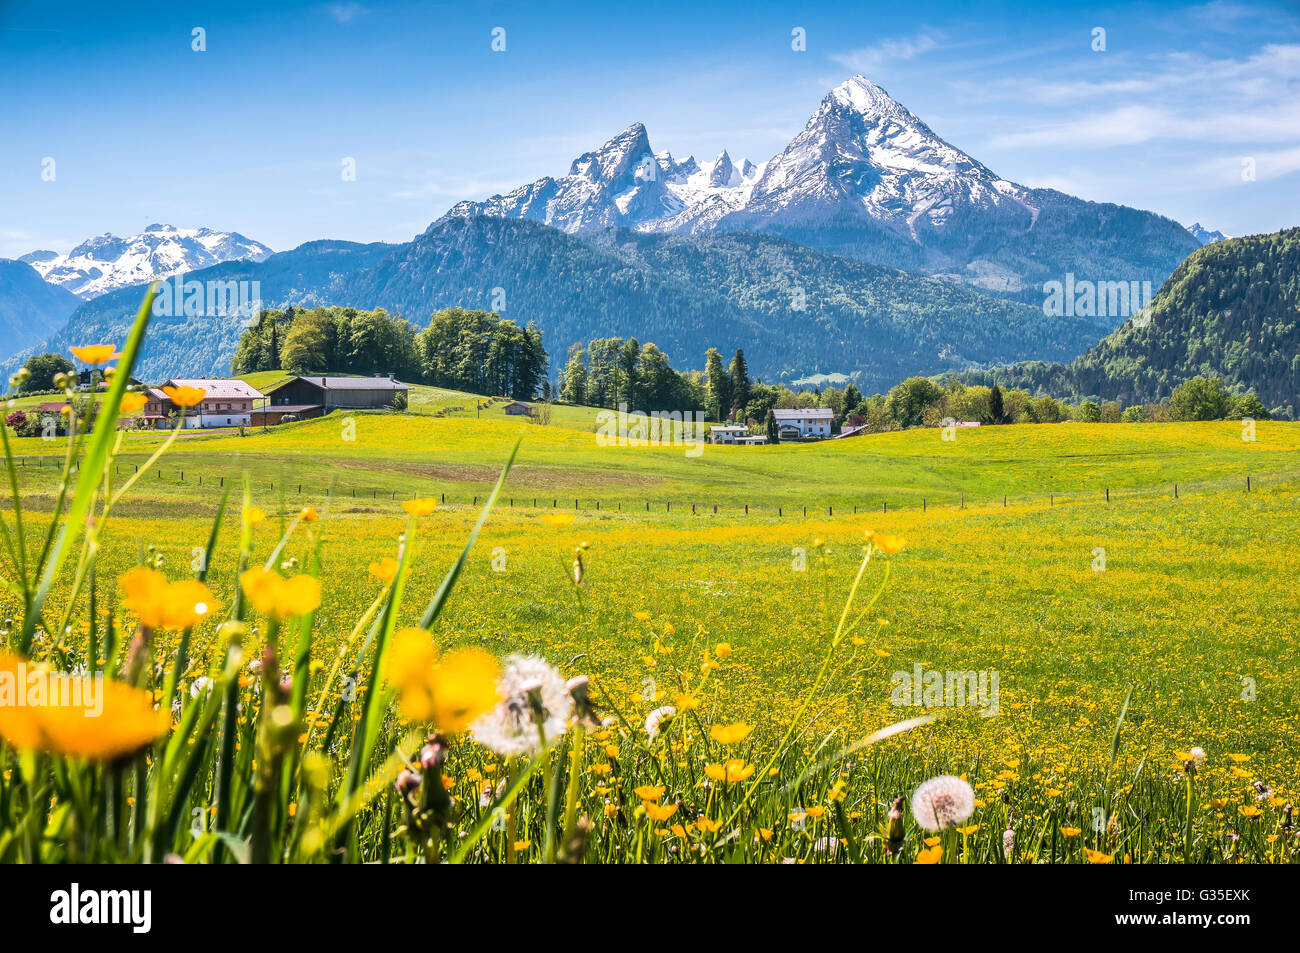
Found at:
[807, 425]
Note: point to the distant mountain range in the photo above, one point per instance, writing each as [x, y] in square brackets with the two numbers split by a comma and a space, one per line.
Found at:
[793, 309]
[107, 262]
[31, 309]
[1231, 310]
[1204, 235]
[869, 247]
[868, 180]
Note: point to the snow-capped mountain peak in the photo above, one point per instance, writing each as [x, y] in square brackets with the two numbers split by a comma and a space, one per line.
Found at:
[108, 262]
[621, 183]
[1204, 235]
[865, 177]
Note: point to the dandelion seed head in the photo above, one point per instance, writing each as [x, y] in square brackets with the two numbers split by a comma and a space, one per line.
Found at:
[943, 801]
[658, 720]
[535, 704]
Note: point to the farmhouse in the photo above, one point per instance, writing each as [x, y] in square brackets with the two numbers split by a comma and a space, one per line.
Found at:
[226, 402]
[804, 423]
[313, 396]
[518, 409]
[731, 433]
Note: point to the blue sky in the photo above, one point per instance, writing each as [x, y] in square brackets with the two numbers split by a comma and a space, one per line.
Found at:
[250, 134]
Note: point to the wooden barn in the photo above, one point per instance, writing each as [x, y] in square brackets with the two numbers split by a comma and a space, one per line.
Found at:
[324, 394]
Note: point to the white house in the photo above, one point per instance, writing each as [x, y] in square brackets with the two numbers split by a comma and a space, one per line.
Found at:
[804, 422]
[227, 402]
[727, 434]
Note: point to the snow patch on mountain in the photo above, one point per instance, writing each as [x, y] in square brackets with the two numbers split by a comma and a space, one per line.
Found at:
[109, 262]
[1204, 235]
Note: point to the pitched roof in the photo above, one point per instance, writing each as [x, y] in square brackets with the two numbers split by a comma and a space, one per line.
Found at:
[816, 413]
[351, 383]
[217, 388]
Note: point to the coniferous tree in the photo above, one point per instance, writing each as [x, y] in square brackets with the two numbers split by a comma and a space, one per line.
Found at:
[739, 374]
[997, 413]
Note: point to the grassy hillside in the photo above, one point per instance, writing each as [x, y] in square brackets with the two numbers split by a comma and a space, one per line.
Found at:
[398, 455]
[1190, 601]
[1231, 310]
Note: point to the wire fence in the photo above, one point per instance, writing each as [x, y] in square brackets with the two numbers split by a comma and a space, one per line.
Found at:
[913, 501]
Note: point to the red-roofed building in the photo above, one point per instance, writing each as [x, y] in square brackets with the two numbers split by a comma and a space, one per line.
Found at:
[227, 402]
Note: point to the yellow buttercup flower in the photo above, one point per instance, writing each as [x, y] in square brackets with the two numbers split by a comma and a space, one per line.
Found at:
[659, 812]
[410, 658]
[929, 855]
[255, 515]
[641, 616]
[722, 650]
[161, 604]
[650, 792]
[887, 543]
[730, 734]
[133, 401]
[734, 770]
[420, 507]
[308, 514]
[451, 693]
[272, 594]
[94, 353]
[109, 719]
[1097, 857]
[1070, 831]
[184, 396]
[464, 687]
[300, 595]
[385, 569]
[557, 519]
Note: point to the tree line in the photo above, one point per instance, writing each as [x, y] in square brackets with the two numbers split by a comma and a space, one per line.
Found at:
[608, 372]
[461, 349]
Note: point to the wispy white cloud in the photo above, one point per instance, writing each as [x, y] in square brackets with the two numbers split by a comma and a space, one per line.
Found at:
[873, 60]
[1133, 125]
[1263, 166]
[345, 12]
